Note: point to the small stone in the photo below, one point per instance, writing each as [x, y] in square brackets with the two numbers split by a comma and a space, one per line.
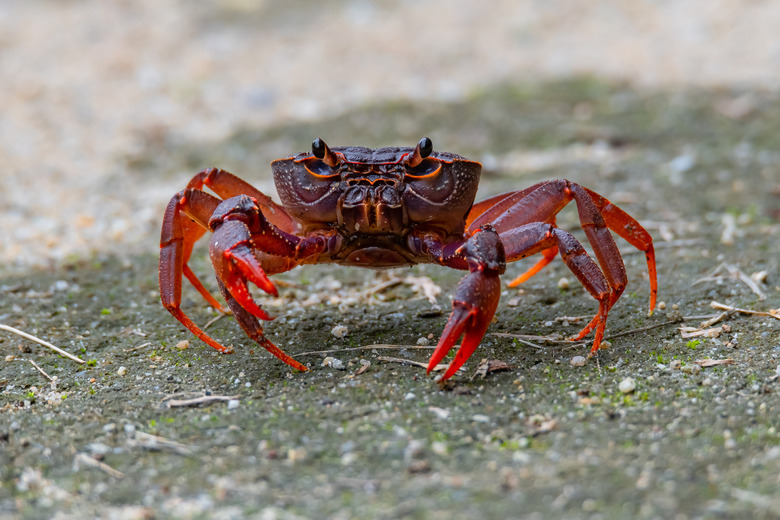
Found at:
[661, 306]
[339, 331]
[627, 385]
[578, 361]
[121, 371]
[183, 345]
[563, 283]
[409, 396]
[332, 362]
[675, 364]
[423, 341]
[693, 368]
[232, 404]
[480, 418]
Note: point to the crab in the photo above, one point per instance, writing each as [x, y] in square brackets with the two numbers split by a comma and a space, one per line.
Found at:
[384, 208]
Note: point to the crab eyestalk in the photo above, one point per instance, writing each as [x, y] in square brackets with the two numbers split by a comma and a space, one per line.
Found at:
[321, 151]
[423, 149]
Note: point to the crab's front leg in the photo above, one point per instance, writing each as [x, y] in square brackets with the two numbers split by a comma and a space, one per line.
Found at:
[476, 296]
[242, 238]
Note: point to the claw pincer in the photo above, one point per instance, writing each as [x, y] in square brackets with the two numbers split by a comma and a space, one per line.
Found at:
[383, 208]
[476, 298]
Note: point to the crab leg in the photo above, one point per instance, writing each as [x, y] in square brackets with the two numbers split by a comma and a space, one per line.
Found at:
[541, 237]
[541, 202]
[178, 235]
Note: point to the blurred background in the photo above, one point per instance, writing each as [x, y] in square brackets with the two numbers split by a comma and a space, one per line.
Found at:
[108, 107]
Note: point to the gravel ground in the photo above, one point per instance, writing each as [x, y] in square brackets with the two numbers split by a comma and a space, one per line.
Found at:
[677, 121]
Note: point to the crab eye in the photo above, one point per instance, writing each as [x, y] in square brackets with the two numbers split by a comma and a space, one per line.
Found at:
[421, 152]
[425, 146]
[318, 148]
[321, 151]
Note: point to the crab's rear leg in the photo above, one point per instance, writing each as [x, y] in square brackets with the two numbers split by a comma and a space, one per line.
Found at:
[539, 237]
[177, 237]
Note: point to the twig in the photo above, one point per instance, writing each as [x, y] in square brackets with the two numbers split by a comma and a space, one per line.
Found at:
[378, 346]
[213, 320]
[83, 458]
[154, 443]
[174, 403]
[47, 376]
[772, 313]
[139, 347]
[642, 329]
[548, 339]
[440, 366]
[707, 362]
[42, 342]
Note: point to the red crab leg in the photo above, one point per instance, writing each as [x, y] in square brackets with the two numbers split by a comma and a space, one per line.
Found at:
[227, 185]
[548, 255]
[476, 296]
[533, 238]
[541, 202]
[632, 231]
[175, 246]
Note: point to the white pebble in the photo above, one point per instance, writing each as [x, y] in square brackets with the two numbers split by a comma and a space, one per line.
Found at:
[563, 283]
[578, 361]
[332, 362]
[232, 403]
[423, 341]
[339, 331]
[183, 345]
[121, 371]
[627, 385]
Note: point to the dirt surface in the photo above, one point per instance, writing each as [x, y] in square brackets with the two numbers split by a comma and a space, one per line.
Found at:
[362, 435]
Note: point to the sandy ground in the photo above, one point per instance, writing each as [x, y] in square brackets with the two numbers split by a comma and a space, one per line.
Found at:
[88, 84]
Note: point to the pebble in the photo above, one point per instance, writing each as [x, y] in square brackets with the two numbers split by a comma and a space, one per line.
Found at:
[563, 283]
[693, 368]
[675, 364]
[578, 361]
[232, 404]
[423, 341]
[339, 331]
[332, 362]
[627, 385]
[121, 371]
[183, 345]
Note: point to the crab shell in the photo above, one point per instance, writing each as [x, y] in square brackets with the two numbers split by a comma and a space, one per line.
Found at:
[370, 193]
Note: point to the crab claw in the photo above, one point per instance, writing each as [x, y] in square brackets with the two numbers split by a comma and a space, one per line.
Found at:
[235, 263]
[473, 307]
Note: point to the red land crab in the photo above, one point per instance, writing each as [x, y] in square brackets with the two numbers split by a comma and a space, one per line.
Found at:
[385, 208]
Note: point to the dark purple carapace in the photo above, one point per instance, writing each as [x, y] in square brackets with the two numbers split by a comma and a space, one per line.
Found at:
[375, 197]
[383, 208]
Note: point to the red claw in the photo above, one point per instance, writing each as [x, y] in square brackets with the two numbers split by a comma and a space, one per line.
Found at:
[476, 299]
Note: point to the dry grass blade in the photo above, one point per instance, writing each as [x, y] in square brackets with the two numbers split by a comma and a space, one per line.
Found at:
[39, 369]
[150, 442]
[42, 342]
[694, 332]
[704, 363]
[86, 460]
[772, 313]
[378, 346]
[440, 366]
[197, 401]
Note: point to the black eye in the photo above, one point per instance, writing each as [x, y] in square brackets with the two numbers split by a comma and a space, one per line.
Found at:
[318, 148]
[426, 147]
